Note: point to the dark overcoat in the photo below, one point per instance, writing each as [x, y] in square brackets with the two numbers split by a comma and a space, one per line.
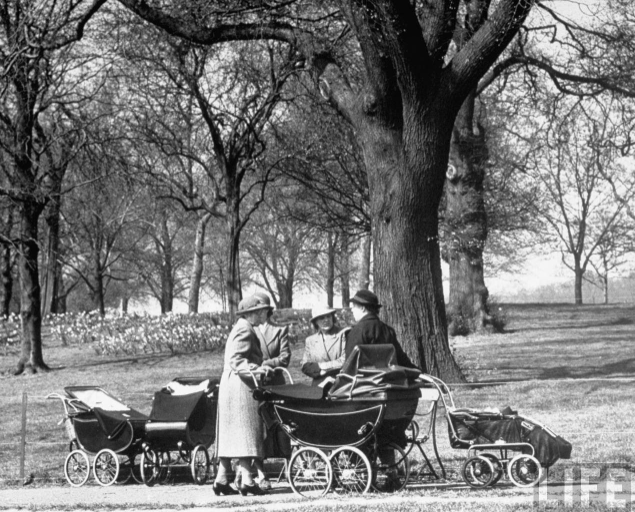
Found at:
[370, 330]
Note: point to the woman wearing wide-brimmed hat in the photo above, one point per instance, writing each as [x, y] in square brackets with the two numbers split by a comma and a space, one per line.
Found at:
[240, 428]
[324, 350]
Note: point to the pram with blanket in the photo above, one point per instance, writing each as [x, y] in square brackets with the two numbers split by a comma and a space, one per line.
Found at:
[500, 442]
[350, 436]
[180, 429]
[99, 424]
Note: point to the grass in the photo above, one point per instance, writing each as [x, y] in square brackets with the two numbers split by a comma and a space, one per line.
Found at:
[572, 368]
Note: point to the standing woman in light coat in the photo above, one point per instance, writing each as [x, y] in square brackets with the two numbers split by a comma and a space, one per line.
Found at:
[274, 345]
[240, 428]
[324, 351]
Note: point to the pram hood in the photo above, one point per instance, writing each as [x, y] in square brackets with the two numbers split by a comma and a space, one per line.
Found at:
[373, 369]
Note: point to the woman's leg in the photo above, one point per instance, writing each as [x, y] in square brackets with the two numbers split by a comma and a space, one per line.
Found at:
[224, 469]
[245, 469]
[260, 468]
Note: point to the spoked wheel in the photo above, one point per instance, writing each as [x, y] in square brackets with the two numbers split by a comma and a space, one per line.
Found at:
[352, 471]
[310, 473]
[106, 467]
[149, 467]
[77, 468]
[135, 467]
[499, 470]
[524, 471]
[391, 469]
[199, 464]
[478, 472]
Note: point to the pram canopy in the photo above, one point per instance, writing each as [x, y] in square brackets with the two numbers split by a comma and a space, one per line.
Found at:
[103, 421]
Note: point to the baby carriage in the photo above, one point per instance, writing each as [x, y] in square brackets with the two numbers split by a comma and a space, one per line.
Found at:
[99, 424]
[500, 442]
[349, 437]
[180, 429]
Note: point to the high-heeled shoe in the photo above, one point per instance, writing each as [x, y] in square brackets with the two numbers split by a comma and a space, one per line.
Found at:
[251, 489]
[224, 489]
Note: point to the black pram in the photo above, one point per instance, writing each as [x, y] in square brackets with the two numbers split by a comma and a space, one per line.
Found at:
[180, 429]
[524, 446]
[351, 435]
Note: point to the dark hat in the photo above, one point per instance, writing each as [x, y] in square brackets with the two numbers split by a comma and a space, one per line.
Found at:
[250, 304]
[366, 298]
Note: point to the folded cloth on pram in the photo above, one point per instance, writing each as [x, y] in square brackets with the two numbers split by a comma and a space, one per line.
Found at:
[373, 369]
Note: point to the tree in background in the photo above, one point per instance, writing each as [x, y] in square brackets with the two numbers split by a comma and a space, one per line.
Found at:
[571, 162]
[36, 55]
[284, 252]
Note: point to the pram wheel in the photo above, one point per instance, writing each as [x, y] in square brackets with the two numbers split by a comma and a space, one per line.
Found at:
[106, 467]
[149, 467]
[310, 473]
[199, 464]
[352, 471]
[478, 472]
[391, 468]
[524, 471]
[498, 466]
[77, 468]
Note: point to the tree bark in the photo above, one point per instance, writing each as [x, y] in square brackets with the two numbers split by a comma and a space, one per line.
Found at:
[330, 270]
[234, 292]
[31, 358]
[579, 273]
[364, 270]
[345, 269]
[405, 239]
[197, 264]
[167, 278]
[7, 281]
[98, 282]
[466, 223]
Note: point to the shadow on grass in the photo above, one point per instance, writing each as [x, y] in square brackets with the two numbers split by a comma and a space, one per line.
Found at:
[148, 360]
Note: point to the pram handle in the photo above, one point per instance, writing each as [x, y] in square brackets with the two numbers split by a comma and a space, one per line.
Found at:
[258, 373]
[68, 403]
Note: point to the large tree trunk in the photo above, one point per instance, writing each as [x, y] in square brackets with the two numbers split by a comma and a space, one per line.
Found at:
[466, 224]
[364, 269]
[31, 358]
[197, 264]
[404, 209]
[330, 270]
[52, 271]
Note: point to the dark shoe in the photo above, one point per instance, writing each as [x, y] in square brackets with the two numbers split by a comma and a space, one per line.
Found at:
[224, 489]
[251, 489]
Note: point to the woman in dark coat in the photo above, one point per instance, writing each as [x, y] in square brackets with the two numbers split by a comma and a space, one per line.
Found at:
[240, 428]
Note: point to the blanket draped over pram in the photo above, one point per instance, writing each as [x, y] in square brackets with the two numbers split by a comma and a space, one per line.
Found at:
[484, 427]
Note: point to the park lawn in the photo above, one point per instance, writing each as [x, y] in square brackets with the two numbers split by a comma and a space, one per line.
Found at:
[572, 368]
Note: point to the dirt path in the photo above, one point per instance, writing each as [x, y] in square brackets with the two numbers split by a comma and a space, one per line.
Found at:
[200, 498]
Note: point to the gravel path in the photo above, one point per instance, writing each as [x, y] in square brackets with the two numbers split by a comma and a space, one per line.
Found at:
[201, 498]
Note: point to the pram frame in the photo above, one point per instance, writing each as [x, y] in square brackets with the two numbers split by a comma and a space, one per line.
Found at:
[480, 460]
[106, 465]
